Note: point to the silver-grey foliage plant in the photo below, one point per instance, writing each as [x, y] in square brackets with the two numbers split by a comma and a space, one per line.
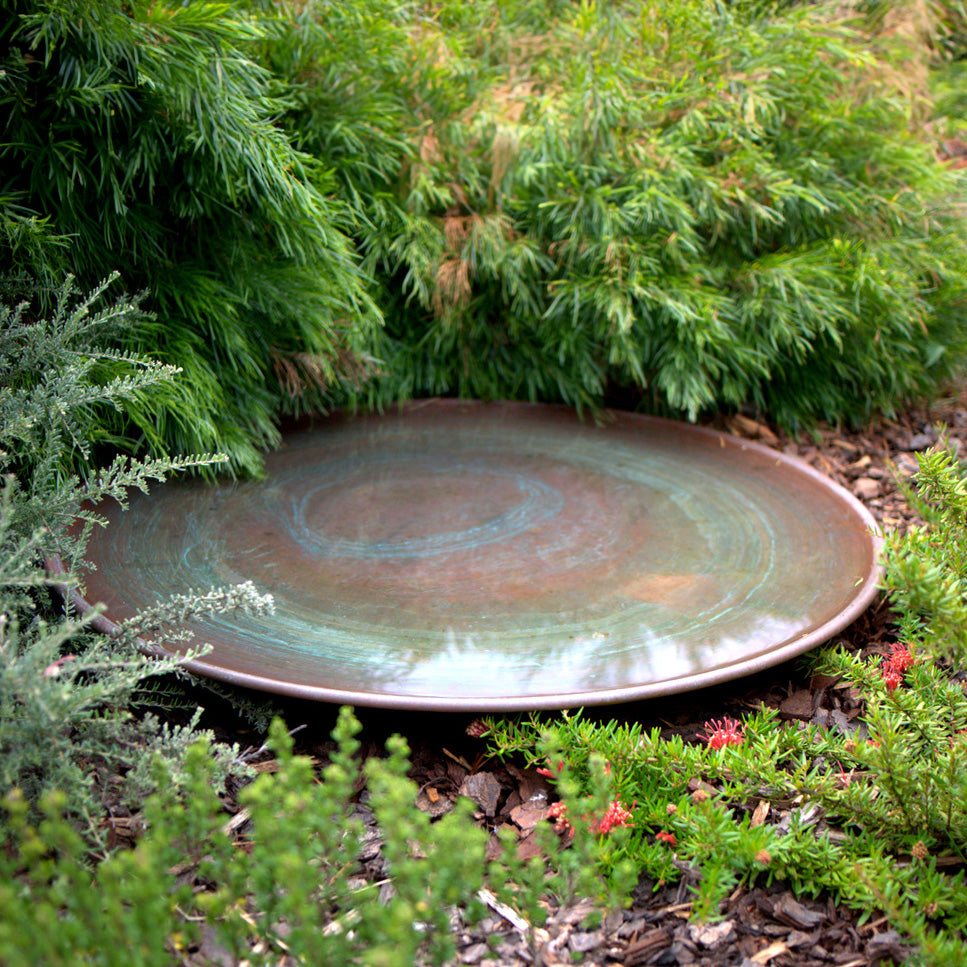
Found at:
[64, 690]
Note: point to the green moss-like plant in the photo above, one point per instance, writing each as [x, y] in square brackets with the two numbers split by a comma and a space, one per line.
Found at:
[294, 893]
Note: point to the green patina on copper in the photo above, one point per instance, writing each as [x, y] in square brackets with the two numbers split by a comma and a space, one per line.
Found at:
[502, 556]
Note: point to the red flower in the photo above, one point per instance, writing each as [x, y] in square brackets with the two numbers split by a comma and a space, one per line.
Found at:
[542, 771]
[558, 812]
[667, 838]
[891, 678]
[900, 659]
[719, 734]
[614, 816]
[893, 668]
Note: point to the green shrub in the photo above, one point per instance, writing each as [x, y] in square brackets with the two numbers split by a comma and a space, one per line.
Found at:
[691, 205]
[926, 568]
[295, 892]
[144, 133]
[684, 206]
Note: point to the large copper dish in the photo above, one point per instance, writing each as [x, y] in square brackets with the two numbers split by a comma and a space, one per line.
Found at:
[501, 556]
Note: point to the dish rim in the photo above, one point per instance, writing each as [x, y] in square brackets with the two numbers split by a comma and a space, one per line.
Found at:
[694, 681]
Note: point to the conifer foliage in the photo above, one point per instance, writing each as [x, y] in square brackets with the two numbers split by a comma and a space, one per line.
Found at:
[683, 206]
[704, 205]
[140, 137]
[65, 693]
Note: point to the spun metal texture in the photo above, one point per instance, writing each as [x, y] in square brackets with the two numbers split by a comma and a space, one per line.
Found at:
[500, 556]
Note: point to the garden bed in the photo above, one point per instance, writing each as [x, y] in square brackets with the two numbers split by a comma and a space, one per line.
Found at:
[759, 925]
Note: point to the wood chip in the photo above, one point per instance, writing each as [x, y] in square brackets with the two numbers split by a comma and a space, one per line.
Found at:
[696, 784]
[433, 805]
[711, 934]
[752, 429]
[789, 910]
[501, 909]
[267, 765]
[529, 847]
[474, 953]
[866, 488]
[799, 705]
[769, 953]
[484, 789]
[760, 814]
[646, 946]
[236, 822]
[585, 941]
[527, 815]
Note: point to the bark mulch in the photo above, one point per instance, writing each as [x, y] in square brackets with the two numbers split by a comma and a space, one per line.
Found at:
[766, 925]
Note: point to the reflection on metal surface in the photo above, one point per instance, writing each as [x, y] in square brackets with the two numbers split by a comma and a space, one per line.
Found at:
[502, 556]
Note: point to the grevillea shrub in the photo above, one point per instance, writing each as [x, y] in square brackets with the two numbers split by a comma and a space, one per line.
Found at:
[871, 813]
[141, 137]
[685, 206]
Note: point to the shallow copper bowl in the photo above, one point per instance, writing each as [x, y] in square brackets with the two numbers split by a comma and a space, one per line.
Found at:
[501, 556]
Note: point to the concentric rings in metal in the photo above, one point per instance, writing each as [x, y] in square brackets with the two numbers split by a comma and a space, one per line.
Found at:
[501, 556]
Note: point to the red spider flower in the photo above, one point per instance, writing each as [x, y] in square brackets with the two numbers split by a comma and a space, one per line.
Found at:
[614, 816]
[543, 771]
[558, 812]
[891, 678]
[900, 658]
[719, 734]
[667, 838]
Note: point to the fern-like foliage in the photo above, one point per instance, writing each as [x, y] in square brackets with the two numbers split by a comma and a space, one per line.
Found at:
[698, 205]
[684, 206]
[145, 133]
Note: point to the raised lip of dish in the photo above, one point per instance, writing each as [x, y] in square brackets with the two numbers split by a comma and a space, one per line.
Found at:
[553, 700]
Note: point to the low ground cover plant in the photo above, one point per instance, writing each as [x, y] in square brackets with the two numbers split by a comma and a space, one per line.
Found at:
[291, 890]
